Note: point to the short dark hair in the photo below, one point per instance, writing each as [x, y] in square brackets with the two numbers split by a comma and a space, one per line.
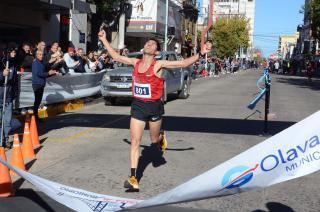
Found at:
[26, 44]
[157, 42]
[104, 51]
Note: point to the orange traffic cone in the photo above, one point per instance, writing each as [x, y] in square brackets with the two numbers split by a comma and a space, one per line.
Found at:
[27, 148]
[16, 158]
[34, 133]
[6, 188]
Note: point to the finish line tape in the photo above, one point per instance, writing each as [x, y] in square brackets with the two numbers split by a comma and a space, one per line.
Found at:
[290, 154]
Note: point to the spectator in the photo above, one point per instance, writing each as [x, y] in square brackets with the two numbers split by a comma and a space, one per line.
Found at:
[105, 61]
[40, 46]
[69, 58]
[51, 60]
[11, 94]
[39, 75]
[109, 64]
[310, 70]
[284, 67]
[228, 66]
[25, 58]
[96, 56]
[82, 60]
[233, 66]
[276, 67]
[59, 64]
[92, 63]
[125, 52]
[54, 59]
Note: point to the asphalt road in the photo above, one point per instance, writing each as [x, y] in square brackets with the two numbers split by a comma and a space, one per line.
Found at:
[89, 148]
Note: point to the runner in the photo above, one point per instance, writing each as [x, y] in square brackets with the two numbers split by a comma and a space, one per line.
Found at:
[147, 90]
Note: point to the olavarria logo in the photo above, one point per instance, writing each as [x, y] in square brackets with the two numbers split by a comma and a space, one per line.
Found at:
[293, 158]
[237, 176]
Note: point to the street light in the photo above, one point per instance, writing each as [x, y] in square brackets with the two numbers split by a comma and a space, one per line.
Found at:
[166, 27]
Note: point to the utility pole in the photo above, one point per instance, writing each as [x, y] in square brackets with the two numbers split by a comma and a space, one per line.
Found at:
[166, 27]
[122, 22]
[70, 22]
[196, 40]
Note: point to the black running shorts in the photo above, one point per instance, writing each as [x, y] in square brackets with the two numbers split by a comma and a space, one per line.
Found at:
[147, 110]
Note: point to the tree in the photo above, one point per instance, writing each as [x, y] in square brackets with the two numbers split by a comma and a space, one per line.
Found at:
[108, 12]
[313, 14]
[229, 34]
[104, 6]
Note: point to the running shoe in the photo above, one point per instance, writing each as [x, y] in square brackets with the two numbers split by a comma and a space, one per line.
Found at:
[132, 184]
[163, 144]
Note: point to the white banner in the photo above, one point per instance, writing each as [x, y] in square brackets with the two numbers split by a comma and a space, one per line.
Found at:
[144, 10]
[74, 198]
[293, 153]
[61, 88]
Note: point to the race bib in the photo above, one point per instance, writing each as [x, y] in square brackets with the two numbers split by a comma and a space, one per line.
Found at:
[142, 90]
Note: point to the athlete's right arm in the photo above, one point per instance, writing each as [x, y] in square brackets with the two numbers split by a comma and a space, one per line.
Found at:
[115, 56]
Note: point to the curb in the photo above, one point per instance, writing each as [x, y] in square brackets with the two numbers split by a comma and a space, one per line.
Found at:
[63, 107]
[55, 109]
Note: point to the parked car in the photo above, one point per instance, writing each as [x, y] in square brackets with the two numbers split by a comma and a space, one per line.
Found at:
[117, 83]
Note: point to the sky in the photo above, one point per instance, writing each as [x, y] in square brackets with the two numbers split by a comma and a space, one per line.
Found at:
[274, 18]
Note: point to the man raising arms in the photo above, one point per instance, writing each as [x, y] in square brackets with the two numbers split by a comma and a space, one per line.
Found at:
[147, 90]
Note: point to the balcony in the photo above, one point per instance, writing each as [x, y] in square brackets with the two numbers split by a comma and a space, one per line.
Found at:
[49, 6]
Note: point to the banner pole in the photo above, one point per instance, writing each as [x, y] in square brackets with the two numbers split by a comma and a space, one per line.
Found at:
[267, 104]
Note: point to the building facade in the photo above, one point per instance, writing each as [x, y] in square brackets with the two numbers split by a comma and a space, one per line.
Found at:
[189, 30]
[48, 20]
[287, 45]
[228, 8]
[306, 45]
[147, 19]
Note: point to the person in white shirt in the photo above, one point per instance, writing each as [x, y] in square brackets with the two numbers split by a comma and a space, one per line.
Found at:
[276, 67]
[71, 63]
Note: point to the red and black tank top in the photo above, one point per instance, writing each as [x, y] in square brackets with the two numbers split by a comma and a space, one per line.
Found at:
[146, 86]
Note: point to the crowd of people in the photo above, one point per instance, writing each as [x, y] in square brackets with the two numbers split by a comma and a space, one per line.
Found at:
[216, 66]
[42, 62]
[308, 67]
[74, 60]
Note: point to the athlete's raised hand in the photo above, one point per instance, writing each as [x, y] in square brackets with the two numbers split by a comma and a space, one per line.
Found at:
[206, 48]
[102, 35]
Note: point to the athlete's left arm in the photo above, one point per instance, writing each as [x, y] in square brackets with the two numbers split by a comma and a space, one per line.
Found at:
[186, 62]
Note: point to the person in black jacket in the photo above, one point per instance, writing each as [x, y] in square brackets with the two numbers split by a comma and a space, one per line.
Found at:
[39, 75]
[11, 93]
[25, 58]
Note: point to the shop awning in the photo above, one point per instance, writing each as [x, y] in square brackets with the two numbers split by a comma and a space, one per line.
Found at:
[60, 3]
[83, 7]
[50, 6]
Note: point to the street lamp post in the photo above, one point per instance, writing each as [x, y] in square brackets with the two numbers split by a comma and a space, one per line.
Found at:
[70, 23]
[166, 27]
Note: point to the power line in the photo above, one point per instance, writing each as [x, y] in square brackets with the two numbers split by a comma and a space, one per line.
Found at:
[267, 39]
[266, 36]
